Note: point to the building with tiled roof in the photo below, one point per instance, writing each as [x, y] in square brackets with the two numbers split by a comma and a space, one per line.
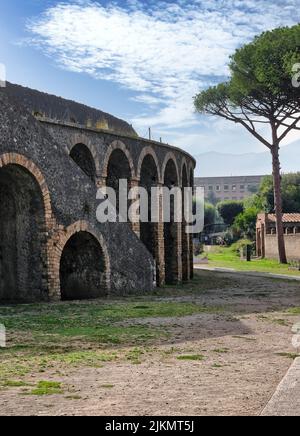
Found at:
[266, 237]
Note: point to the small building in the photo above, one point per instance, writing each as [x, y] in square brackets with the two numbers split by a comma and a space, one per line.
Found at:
[266, 237]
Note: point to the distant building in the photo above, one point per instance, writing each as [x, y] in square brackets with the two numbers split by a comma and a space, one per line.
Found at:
[228, 188]
[266, 238]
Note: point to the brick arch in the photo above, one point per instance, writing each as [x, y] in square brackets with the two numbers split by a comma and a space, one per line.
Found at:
[60, 240]
[20, 160]
[49, 221]
[83, 139]
[170, 156]
[117, 145]
[148, 151]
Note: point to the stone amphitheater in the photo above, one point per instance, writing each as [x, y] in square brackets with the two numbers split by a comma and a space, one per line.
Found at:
[54, 155]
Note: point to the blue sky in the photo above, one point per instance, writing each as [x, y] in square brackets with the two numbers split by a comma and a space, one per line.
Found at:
[141, 61]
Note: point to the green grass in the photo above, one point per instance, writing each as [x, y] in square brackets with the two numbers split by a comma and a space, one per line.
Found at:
[14, 384]
[194, 357]
[292, 356]
[221, 350]
[134, 356]
[84, 333]
[281, 322]
[47, 388]
[42, 387]
[90, 319]
[294, 311]
[227, 258]
[245, 338]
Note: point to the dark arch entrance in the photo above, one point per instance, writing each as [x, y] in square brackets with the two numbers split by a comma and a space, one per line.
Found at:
[23, 259]
[82, 268]
[171, 229]
[118, 169]
[82, 156]
[149, 230]
[185, 237]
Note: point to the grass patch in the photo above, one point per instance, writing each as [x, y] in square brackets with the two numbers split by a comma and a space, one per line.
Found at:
[94, 320]
[47, 388]
[221, 350]
[194, 357]
[292, 356]
[245, 338]
[228, 258]
[281, 322]
[134, 356]
[294, 311]
[63, 334]
[14, 384]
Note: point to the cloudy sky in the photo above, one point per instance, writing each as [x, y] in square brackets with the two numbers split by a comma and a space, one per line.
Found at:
[140, 60]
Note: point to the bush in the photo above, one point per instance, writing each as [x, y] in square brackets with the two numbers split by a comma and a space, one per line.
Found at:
[245, 223]
[240, 245]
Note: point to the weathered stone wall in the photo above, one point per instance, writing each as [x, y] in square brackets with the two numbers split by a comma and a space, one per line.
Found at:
[292, 244]
[48, 227]
[145, 163]
[102, 144]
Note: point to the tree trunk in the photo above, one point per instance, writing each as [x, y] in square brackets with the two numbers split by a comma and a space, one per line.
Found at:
[278, 204]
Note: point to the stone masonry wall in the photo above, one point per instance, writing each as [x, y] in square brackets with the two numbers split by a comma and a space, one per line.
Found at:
[292, 244]
[58, 200]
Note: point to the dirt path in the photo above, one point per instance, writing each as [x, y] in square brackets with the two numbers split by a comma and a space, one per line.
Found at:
[240, 357]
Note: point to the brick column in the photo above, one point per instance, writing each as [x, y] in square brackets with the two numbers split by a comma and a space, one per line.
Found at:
[53, 261]
[160, 244]
[179, 253]
[136, 224]
[185, 253]
[191, 251]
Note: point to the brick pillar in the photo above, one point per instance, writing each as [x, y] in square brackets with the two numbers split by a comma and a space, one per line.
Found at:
[191, 251]
[186, 267]
[160, 244]
[175, 256]
[136, 223]
[53, 261]
[178, 268]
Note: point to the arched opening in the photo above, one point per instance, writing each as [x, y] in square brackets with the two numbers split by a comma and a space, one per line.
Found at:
[23, 270]
[82, 156]
[185, 236]
[82, 268]
[171, 229]
[149, 230]
[118, 169]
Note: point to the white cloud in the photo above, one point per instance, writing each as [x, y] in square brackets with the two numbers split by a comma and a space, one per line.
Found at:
[164, 52]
